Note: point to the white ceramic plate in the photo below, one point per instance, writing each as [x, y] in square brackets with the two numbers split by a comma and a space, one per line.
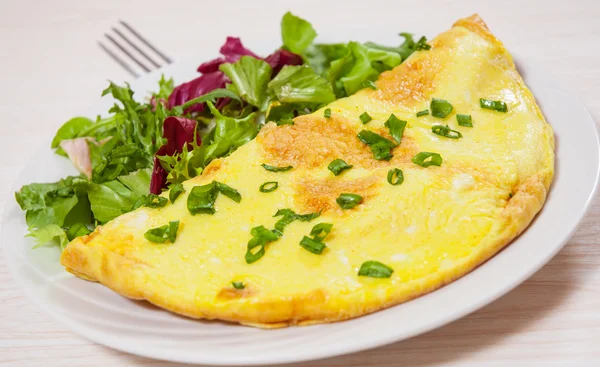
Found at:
[137, 327]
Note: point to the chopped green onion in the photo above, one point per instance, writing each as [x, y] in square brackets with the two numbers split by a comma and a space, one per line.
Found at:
[421, 159]
[396, 172]
[493, 105]
[370, 84]
[375, 269]
[275, 168]
[228, 191]
[327, 113]
[238, 285]
[256, 246]
[380, 146]
[440, 108]
[337, 166]
[155, 201]
[348, 201]
[288, 216]
[446, 131]
[464, 120]
[269, 186]
[396, 127]
[176, 190]
[320, 231]
[422, 113]
[162, 234]
[313, 246]
[201, 199]
[422, 44]
[285, 122]
[364, 118]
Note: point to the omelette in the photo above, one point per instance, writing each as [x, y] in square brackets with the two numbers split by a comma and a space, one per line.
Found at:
[371, 201]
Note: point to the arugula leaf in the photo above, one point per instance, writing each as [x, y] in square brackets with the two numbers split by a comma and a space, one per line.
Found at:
[210, 96]
[300, 84]
[50, 233]
[361, 63]
[249, 77]
[297, 34]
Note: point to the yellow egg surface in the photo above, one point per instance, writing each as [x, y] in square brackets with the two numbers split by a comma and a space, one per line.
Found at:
[435, 227]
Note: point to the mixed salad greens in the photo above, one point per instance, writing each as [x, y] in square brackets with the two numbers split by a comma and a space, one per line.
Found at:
[141, 149]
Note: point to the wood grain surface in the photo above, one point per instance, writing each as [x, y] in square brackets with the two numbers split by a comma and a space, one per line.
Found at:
[52, 69]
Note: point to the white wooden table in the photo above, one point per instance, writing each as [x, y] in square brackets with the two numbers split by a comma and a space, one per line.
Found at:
[52, 69]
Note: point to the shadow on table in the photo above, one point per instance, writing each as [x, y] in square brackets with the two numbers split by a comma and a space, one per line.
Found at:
[472, 334]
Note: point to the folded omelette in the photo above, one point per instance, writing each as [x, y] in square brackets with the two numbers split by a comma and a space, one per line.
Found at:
[284, 232]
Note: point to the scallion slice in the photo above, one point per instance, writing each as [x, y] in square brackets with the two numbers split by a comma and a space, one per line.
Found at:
[320, 231]
[396, 127]
[327, 113]
[228, 191]
[348, 201]
[256, 246]
[421, 159]
[201, 199]
[395, 176]
[422, 113]
[176, 190]
[269, 186]
[464, 120]
[380, 146]
[370, 84]
[162, 234]
[446, 131]
[337, 166]
[288, 216]
[440, 108]
[493, 105]
[275, 168]
[316, 247]
[238, 285]
[365, 118]
[375, 269]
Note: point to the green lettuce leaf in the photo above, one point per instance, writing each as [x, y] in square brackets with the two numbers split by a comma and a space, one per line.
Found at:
[50, 233]
[405, 49]
[296, 33]
[360, 64]
[300, 84]
[70, 130]
[320, 56]
[250, 77]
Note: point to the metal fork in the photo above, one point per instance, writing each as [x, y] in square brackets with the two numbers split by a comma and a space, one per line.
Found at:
[140, 46]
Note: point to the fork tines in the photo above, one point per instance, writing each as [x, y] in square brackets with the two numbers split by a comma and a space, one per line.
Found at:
[132, 51]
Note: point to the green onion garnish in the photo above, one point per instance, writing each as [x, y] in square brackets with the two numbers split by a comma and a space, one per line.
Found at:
[327, 113]
[493, 105]
[380, 146]
[440, 108]
[364, 118]
[285, 122]
[256, 246]
[320, 231]
[421, 159]
[396, 127]
[269, 186]
[176, 190]
[288, 216]
[311, 245]
[397, 173]
[370, 84]
[375, 269]
[445, 131]
[201, 199]
[238, 285]
[162, 234]
[337, 166]
[422, 113]
[275, 168]
[464, 120]
[155, 201]
[228, 191]
[348, 201]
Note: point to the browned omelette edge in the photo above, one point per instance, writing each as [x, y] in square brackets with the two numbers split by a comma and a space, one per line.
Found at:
[312, 308]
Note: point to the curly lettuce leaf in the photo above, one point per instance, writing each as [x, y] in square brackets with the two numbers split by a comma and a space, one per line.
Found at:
[50, 233]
